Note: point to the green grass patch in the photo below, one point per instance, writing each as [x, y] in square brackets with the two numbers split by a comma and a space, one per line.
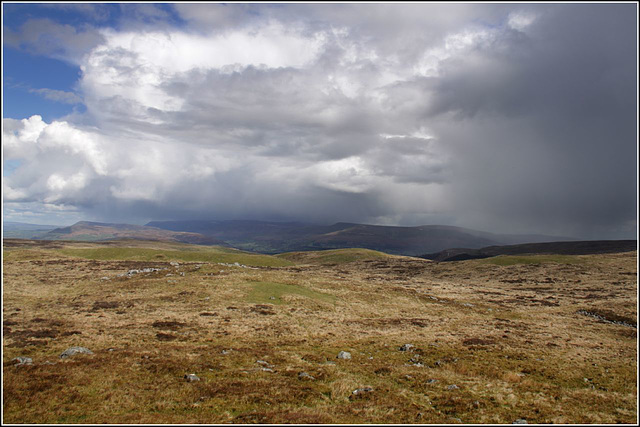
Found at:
[200, 255]
[261, 293]
[333, 256]
[506, 260]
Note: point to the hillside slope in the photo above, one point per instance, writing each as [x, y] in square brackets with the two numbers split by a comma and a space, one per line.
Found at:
[587, 247]
[278, 237]
[96, 231]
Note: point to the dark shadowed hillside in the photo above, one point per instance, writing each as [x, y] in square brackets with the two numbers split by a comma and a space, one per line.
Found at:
[95, 231]
[277, 237]
[550, 248]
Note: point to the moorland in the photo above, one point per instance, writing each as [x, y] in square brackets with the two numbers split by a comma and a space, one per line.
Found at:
[181, 333]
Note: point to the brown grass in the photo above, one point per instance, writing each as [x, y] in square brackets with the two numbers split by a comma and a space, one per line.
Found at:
[507, 335]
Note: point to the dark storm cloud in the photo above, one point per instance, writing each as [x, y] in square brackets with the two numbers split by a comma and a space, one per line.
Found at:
[504, 117]
[542, 127]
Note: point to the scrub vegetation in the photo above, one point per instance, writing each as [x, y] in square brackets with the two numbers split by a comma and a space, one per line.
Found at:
[493, 340]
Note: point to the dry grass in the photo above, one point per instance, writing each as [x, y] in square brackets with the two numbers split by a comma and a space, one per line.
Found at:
[508, 336]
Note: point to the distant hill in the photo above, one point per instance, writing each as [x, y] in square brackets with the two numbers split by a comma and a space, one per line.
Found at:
[552, 248]
[23, 230]
[278, 237]
[97, 231]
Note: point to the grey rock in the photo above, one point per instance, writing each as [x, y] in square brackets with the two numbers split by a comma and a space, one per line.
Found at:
[452, 387]
[264, 363]
[174, 264]
[305, 376]
[71, 351]
[362, 390]
[21, 360]
[432, 381]
[191, 378]
[344, 355]
[520, 421]
[268, 370]
[406, 347]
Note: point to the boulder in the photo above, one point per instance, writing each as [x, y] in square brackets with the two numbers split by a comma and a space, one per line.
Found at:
[191, 378]
[71, 351]
[21, 360]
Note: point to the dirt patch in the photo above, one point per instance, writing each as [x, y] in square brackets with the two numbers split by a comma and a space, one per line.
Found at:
[165, 337]
[478, 341]
[104, 305]
[263, 309]
[170, 325]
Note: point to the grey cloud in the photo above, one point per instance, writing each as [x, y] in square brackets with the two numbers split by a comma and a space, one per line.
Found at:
[58, 95]
[522, 129]
[546, 141]
[45, 37]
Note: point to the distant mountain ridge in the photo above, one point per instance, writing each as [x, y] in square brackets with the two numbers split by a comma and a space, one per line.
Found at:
[278, 237]
[584, 247]
[23, 230]
[96, 231]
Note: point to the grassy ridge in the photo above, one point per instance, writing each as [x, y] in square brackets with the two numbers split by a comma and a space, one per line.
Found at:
[331, 257]
[506, 260]
[199, 255]
[272, 293]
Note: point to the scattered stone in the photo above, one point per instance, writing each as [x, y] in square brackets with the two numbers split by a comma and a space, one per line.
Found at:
[46, 362]
[225, 351]
[452, 387]
[408, 377]
[264, 363]
[268, 370]
[434, 298]
[71, 351]
[168, 275]
[272, 297]
[432, 381]
[182, 273]
[21, 360]
[406, 347]
[362, 390]
[344, 355]
[191, 378]
[468, 304]
[457, 420]
[476, 404]
[174, 264]
[520, 421]
[611, 320]
[104, 278]
[305, 376]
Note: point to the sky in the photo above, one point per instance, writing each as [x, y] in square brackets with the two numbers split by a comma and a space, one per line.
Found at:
[503, 117]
